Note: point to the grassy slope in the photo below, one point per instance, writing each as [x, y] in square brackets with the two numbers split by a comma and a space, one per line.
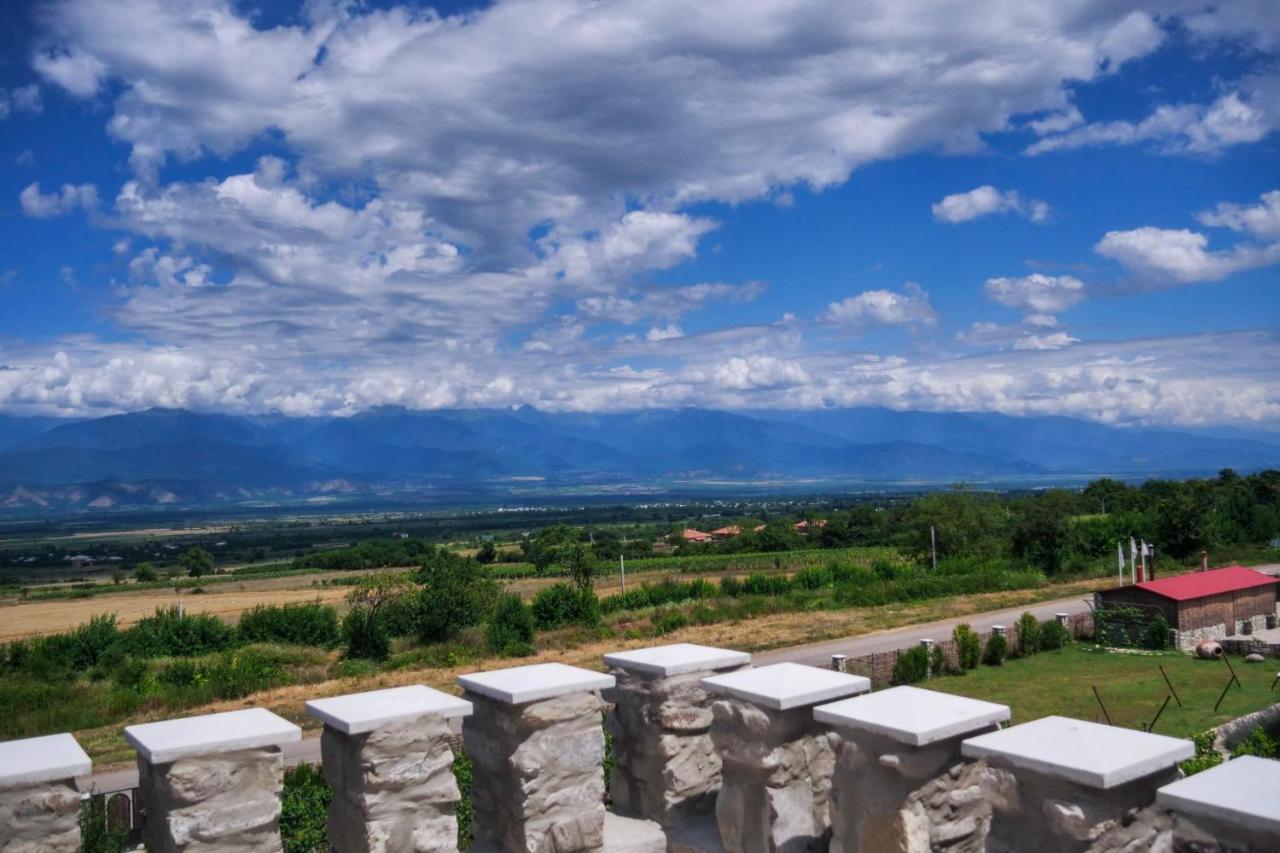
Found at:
[1130, 684]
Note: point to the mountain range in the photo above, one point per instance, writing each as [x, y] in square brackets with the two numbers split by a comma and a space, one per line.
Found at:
[165, 457]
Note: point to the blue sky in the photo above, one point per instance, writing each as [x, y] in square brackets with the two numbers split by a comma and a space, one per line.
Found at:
[1071, 209]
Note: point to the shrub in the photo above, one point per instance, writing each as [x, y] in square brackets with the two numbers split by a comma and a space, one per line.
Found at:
[303, 624]
[171, 633]
[133, 674]
[1028, 635]
[884, 570]
[455, 594]
[1206, 756]
[996, 651]
[1053, 635]
[731, 586]
[304, 810]
[938, 660]
[181, 673]
[96, 834]
[911, 666]
[243, 671]
[1156, 635]
[563, 604]
[968, 646]
[465, 810]
[145, 573]
[366, 635]
[813, 577]
[1258, 743]
[672, 620]
[510, 629]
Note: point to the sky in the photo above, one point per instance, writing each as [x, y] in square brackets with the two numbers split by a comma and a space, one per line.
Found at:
[1069, 207]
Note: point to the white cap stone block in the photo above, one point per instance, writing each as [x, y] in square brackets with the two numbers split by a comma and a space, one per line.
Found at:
[1088, 754]
[170, 740]
[41, 759]
[676, 659]
[913, 716]
[358, 713]
[783, 686]
[521, 684]
[1243, 792]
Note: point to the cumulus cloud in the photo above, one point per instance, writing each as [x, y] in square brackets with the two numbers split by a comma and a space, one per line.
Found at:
[22, 99]
[1037, 294]
[1246, 114]
[1259, 220]
[883, 308]
[1053, 340]
[986, 200]
[40, 206]
[1168, 256]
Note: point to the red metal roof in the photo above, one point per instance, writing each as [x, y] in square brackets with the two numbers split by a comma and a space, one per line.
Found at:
[1212, 582]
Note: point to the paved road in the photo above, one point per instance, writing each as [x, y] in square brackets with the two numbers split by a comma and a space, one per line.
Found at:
[815, 654]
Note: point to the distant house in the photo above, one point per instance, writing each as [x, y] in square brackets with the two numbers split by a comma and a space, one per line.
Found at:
[79, 561]
[1210, 605]
[803, 526]
[691, 535]
[726, 532]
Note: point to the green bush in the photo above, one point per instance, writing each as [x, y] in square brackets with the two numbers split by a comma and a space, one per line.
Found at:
[170, 633]
[96, 834]
[304, 810]
[672, 620]
[968, 646]
[731, 586]
[1206, 756]
[937, 660]
[365, 634]
[564, 604]
[510, 629]
[465, 811]
[1156, 635]
[455, 594]
[303, 624]
[814, 577]
[1028, 635]
[911, 666]
[759, 583]
[1258, 743]
[238, 673]
[996, 651]
[1053, 635]
[182, 673]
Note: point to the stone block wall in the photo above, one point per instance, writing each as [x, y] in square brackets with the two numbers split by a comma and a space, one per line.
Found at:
[39, 818]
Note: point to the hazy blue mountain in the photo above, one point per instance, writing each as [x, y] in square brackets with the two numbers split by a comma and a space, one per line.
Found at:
[179, 456]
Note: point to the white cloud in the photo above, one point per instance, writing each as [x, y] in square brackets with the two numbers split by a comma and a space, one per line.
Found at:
[1260, 220]
[40, 206]
[1037, 294]
[665, 303]
[1165, 256]
[883, 308]
[1054, 340]
[670, 332]
[74, 70]
[984, 201]
[1246, 114]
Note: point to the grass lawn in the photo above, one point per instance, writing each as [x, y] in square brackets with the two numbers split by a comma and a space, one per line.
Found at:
[1059, 682]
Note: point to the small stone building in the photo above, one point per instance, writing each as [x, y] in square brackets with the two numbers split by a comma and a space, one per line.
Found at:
[1210, 605]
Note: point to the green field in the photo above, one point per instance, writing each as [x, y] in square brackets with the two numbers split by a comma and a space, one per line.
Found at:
[1059, 682]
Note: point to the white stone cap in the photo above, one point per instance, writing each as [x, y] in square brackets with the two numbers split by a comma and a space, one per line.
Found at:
[1243, 792]
[1088, 754]
[676, 659]
[521, 684]
[41, 759]
[170, 740]
[357, 713]
[913, 716]
[787, 685]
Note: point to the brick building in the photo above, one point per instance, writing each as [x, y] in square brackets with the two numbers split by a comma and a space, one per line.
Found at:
[1210, 605]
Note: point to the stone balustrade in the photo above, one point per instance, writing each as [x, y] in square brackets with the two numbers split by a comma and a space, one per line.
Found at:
[1066, 783]
[900, 783]
[777, 760]
[388, 758]
[793, 757]
[212, 783]
[665, 767]
[39, 802]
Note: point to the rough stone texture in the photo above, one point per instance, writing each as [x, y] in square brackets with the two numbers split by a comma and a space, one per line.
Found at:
[1229, 735]
[887, 796]
[1148, 830]
[219, 803]
[777, 768]
[41, 817]
[665, 767]
[1062, 817]
[538, 781]
[1189, 639]
[393, 788]
[632, 835]
[1201, 835]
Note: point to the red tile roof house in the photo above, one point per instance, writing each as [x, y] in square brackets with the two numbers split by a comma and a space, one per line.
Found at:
[691, 535]
[727, 532]
[1210, 605]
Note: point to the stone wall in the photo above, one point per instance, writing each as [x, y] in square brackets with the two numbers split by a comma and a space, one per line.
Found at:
[39, 818]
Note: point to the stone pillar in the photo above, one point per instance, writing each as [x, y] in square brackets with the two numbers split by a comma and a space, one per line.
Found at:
[1064, 619]
[39, 802]
[1065, 783]
[777, 759]
[212, 783]
[840, 663]
[665, 768]
[537, 748]
[927, 645]
[1234, 806]
[388, 759]
[900, 784]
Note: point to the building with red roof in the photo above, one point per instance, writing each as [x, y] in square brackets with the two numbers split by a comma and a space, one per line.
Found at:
[1211, 605]
[691, 535]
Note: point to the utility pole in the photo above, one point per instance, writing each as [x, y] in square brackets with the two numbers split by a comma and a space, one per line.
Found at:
[933, 546]
[622, 563]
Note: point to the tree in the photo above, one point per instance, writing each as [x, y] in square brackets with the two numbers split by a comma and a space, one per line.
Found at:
[145, 573]
[1043, 530]
[1181, 524]
[967, 524]
[117, 576]
[196, 562]
[580, 563]
[455, 595]
[487, 553]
